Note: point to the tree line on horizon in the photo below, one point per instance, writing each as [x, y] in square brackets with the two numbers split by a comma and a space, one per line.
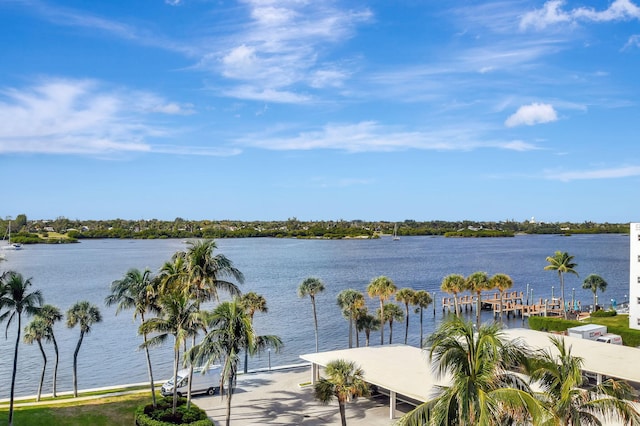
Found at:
[37, 231]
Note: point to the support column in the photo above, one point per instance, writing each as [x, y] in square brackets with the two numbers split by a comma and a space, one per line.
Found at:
[314, 373]
[599, 379]
[392, 404]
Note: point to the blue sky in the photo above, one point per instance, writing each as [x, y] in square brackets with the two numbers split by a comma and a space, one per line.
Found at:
[320, 110]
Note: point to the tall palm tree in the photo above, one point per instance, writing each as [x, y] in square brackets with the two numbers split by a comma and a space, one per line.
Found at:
[483, 390]
[502, 282]
[351, 303]
[390, 313]
[477, 283]
[383, 288]
[344, 381]
[594, 283]
[561, 382]
[454, 284]
[252, 303]
[16, 300]
[422, 299]
[311, 287]
[367, 323]
[563, 264]
[36, 331]
[137, 290]
[85, 315]
[177, 319]
[406, 296]
[51, 314]
[230, 331]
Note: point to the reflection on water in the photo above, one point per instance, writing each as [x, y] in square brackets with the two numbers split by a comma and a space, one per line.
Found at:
[274, 268]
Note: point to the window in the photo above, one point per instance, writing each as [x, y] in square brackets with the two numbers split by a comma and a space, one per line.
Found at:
[638, 300]
[638, 321]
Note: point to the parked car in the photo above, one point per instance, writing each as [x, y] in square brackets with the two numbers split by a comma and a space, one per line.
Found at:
[207, 382]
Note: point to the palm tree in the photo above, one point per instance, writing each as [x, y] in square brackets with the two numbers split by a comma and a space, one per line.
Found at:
[36, 331]
[85, 315]
[477, 282]
[16, 299]
[454, 284]
[406, 296]
[311, 287]
[51, 315]
[137, 290]
[561, 380]
[344, 381]
[367, 323]
[351, 303]
[422, 299]
[252, 303]
[483, 390]
[391, 312]
[382, 288]
[177, 319]
[230, 331]
[502, 282]
[594, 283]
[563, 263]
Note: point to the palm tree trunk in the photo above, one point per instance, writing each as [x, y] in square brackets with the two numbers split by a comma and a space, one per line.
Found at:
[315, 320]
[421, 336]
[390, 331]
[564, 310]
[455, 304]
[501, 297]
[229, 395]
[190, 377]
[367, 334]
[15, 368]
[153, 387]
[44, 368]
[176, 360]
[350, 331]
[478, 307]
[406, 328]
[381, 322]
[55, 366]
[75, 365]
[343, 414]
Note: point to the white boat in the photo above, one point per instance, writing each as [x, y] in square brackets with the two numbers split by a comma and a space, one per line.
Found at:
[9, 245]
[395, 233]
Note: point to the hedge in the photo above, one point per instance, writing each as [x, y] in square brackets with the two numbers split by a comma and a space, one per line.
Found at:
[629, 337]
[162, 415]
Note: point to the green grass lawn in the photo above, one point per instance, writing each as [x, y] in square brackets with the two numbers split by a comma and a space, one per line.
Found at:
[108, 411]
[620, 320]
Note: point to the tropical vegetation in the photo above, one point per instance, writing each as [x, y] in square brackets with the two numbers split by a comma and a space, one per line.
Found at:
[595, 283]
[311, 287]
[562, 263]
[344, 380]
[83, 314]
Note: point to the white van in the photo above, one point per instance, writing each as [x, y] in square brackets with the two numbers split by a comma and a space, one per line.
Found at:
[614, 339]
[207, 382]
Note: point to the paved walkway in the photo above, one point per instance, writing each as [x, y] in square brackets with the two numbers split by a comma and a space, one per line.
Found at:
[276, 398]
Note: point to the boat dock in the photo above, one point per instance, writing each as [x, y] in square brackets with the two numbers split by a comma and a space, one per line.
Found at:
[513, 303]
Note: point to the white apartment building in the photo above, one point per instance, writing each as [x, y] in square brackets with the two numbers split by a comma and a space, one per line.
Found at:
[634, 276]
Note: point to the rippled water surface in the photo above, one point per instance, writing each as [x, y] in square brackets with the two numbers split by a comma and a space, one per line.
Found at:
[275, 268]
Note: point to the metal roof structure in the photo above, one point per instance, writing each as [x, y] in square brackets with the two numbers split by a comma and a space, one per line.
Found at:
[406, 371]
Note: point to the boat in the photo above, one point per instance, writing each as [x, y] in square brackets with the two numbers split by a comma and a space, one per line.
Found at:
[395, 233]
[9, 245]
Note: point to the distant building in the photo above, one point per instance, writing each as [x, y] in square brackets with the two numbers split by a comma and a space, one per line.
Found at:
[634, 276]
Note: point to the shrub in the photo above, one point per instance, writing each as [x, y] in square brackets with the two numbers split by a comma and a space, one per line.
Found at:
[551, 323]
[603, 314]
[162, 415]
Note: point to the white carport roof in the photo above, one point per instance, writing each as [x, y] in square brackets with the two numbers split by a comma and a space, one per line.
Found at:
[600, 358]
[402, 369]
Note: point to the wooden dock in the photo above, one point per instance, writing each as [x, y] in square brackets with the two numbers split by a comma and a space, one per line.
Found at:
[512, 304]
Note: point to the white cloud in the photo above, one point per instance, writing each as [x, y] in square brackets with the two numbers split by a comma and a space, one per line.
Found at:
[532, 114]
[552, 14]
[612, 173]
[60, 116]
[634, 41]
[368, 136]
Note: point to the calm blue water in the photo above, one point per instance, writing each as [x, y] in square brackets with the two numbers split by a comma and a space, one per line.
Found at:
[275, 268]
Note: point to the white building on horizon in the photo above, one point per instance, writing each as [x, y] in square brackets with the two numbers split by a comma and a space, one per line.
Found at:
[634, 275]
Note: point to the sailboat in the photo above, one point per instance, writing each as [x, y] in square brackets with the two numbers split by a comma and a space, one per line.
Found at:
[395, 233]
[9, 245]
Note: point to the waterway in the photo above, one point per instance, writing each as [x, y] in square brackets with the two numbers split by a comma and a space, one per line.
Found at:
[274, 268]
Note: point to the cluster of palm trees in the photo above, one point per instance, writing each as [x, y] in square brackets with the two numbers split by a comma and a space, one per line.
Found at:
[170, 306]
[495, 381]
[17, 300]
[476, 283]
[352, 303]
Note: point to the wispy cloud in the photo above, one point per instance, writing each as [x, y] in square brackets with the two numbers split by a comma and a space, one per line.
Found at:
[610, 173]
[529, 115]
[331, 182]
[58, 116]
[552, 13]
[278, 52]
[370, 136]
